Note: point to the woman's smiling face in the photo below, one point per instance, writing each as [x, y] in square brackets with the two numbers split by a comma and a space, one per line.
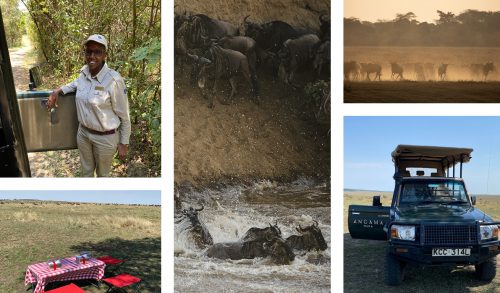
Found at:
[95, 55]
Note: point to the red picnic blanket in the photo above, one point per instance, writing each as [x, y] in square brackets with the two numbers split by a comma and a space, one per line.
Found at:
[42, 274]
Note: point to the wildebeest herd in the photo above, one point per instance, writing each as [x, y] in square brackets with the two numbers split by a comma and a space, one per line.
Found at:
[217, 50]
[256, 242]
[354, 71]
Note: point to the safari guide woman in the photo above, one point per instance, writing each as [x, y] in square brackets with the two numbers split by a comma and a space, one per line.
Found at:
[102, 109]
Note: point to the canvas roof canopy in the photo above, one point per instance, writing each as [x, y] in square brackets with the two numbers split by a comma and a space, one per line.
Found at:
[441, 158]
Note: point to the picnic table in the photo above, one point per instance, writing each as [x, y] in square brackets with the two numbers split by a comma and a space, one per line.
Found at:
[42, 274]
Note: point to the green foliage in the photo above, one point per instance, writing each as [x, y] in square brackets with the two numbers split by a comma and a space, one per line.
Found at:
[317, 95]
[132, 29]
[148, 89]
[316, 92]
[13, 22]
[469, 28]
[150, 52]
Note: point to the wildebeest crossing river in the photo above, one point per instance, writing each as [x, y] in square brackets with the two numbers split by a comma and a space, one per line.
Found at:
[229, 212]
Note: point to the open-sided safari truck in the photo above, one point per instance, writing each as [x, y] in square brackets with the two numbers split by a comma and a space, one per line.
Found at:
[431, 219]
[25, 123]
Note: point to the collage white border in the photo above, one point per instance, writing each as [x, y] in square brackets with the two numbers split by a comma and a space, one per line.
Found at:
[165, 183]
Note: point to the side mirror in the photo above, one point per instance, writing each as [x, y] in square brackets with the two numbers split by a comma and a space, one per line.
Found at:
[473, 199]
[376, 201]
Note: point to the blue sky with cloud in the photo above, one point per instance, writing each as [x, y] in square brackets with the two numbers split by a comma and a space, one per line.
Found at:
[145, 197]
[369, 141]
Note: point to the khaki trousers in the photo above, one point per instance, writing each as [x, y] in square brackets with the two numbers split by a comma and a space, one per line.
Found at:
[96, 152]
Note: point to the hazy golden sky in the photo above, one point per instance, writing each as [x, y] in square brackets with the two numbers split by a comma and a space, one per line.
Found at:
[373, 10]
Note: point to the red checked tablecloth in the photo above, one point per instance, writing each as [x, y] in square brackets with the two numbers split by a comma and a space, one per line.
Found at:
[41, 274]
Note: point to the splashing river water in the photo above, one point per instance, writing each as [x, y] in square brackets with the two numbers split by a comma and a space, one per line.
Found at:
[229, 213]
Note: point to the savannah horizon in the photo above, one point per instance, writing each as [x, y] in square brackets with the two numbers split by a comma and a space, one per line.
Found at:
[124, 197]
[386, 10]
[350, 189]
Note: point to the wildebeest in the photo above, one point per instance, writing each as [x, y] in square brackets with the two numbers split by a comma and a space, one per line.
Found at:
[179, 19]
[370, 68]
[324, 27]
[482, 69]
[419, 72]
[397, 71]
[279, 250]
[242, 44]
[310, 238]
[196, 228]
[296, 53]
[276, 248]
[442, 71]
[203, 25]
[262, 233]
[191, 33]
[224, 63]
[270, 37]
[352, 70]
[322, 58]
[429, 70]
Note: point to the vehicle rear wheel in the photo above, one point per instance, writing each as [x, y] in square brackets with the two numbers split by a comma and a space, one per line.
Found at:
[487, 270]
[394, 269]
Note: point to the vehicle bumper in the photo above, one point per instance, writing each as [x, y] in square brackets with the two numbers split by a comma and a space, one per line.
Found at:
[422, 255]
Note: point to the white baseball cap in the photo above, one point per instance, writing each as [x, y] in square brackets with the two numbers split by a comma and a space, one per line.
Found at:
[98, 39]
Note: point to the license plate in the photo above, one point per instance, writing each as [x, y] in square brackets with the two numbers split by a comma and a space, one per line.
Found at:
[451, 252]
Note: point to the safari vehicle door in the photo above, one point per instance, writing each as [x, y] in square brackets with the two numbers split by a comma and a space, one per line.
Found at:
[25, 123]
[368, 222]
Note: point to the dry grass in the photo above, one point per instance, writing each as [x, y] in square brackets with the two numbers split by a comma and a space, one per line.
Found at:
[421, 92]
[364, 259]
[25, 216]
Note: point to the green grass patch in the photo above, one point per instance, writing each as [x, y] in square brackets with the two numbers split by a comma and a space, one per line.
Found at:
[35, 231]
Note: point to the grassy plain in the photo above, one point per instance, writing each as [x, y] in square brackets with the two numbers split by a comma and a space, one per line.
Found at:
[421, 92]
[35, 231]
[364, 259]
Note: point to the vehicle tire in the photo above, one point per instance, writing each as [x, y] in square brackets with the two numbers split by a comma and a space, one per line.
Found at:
[487, 270]
[394, 269]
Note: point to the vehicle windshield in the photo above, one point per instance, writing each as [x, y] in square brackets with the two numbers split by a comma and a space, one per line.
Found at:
[427, 192]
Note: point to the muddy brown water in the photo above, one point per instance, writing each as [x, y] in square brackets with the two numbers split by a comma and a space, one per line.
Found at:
[229, 213]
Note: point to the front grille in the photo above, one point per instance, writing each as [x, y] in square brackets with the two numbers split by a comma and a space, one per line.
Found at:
[449, 234]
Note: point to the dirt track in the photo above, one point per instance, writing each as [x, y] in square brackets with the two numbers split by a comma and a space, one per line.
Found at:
[20, 66]
[421, 92]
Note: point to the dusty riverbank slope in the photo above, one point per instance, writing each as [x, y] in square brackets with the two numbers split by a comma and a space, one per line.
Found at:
[278, 139]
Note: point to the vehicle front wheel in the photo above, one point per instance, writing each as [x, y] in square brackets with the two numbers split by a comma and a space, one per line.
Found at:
[394, 269]
[487, 270]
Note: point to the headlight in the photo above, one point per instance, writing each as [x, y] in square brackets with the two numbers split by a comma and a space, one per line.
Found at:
[489, 232]
[403, 232]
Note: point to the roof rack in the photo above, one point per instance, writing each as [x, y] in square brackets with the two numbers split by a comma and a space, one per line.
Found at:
[440, 158]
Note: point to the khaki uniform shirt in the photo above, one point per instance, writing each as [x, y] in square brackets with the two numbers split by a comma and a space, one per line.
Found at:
[101, 102]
